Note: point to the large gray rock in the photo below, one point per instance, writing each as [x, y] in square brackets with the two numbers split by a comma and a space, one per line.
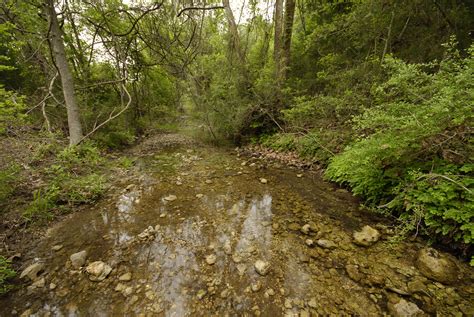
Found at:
[404, 308]
[78, 259]
[33, 271]
[367, 236]
[98, 271]
[436, 266]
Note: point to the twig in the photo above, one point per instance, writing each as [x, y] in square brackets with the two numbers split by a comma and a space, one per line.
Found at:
[432, 175]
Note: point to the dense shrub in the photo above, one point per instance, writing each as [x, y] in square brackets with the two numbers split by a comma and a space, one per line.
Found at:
[413, 151]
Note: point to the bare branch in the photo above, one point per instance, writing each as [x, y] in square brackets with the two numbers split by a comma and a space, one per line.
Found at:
[112, 114]
[200, 8]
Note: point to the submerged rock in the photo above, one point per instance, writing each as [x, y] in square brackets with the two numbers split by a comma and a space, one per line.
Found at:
[306, 229]
[436, 266]
[57, 247]
[262, 267]
[201, 293]
[33, 271]
[78, 259]
[171, 198]
[98, 271]
[404, 308]
[126, 277]
[367, 236]
[354, 273]
[211, 259]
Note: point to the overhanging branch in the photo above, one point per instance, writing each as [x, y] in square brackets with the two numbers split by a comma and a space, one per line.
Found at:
[200, 8]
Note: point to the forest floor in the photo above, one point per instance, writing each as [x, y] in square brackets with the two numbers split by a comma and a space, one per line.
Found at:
[194, 230]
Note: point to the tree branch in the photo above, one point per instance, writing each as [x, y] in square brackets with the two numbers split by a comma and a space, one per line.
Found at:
[200, 8]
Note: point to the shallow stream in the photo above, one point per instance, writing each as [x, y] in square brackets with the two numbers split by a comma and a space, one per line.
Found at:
[184, 234]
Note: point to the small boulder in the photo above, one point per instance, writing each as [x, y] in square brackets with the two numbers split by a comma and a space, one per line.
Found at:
[404, 308]
[263, 180]
[33, 271]
[436, 266]
[262, 267]
[367, 236]
[309, 242]
[78, 259]
[98, 271]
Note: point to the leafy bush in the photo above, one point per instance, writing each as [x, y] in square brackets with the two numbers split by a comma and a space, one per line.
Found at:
[12, 107]
[72, 180]
[413, 148]
[6, 273]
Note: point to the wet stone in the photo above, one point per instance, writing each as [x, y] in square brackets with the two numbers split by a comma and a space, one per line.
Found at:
[98, 271]
[436, 266]
[57, 247]
[78, 259]
[404, 308]
[211, 259]
[256, 286]
[366, 237]
[262, 267]
[171, 198]
[306, 229]
[201, 293]
[326, 244]
[125, 277]
[32, 271]
[241, 268]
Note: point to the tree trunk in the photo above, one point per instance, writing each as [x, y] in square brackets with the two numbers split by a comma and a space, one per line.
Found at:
[288, 30]
[234, 32]
[277, 46]
[67, 82]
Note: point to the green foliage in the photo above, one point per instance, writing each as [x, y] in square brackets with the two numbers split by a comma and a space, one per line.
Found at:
[127, 162]
[12, 107]
[43, 203]
[115, 139]
[72, 180]
[8, 179]
[402, 156]
[6, 273]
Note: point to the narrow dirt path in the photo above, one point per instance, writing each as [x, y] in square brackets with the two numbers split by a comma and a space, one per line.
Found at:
[201, 232]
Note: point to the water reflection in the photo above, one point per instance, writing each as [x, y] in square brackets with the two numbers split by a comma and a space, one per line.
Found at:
[256, 232]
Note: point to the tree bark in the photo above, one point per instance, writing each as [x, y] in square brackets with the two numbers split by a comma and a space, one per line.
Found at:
[288, 30]
[67, 82]
[234, 32]
[277, 46]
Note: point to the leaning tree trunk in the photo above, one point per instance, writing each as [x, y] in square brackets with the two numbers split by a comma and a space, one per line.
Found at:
[67, 82]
